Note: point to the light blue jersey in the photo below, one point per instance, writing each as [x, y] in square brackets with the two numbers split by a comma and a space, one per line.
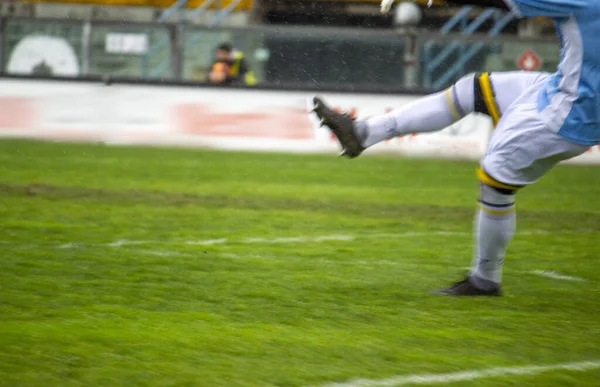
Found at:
[570, 101]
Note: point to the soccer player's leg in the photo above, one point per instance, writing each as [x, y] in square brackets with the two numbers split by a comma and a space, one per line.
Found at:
[428, 114]
[521, 151]
[495, 224]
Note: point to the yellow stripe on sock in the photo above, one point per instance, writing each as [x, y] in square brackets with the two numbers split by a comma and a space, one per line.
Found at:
[451, 105]
[486, 179]
[488, 97]
[495, 212]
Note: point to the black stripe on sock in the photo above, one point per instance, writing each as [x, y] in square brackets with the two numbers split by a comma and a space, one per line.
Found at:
[499, 206]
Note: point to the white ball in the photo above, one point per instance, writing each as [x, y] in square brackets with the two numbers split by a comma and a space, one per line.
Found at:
[407, 14]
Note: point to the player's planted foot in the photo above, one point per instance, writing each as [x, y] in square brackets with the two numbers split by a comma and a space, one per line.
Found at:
[342, 127]
[467, 288]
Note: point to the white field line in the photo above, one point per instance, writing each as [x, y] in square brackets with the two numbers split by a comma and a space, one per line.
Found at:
[244, 256]
[287, 240]
[208, 242]
[164, 253]
[234, 256]
[124, 242]
[358, 262]
[275, 240]
[303, 239]
[556, 276]
[548, 274]
[69, 245]
[463, 376]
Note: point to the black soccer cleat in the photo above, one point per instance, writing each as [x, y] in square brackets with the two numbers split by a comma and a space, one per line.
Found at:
[466, 288]
[342, 126]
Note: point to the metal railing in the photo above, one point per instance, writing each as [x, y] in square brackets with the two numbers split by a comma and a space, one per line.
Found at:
[309, 57]
[222, 14]
[467, 27]
[200, 10]
[179, 6]
[172, 10]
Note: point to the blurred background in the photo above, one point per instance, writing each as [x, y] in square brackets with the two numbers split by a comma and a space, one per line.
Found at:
[281, 44]
[157, 265]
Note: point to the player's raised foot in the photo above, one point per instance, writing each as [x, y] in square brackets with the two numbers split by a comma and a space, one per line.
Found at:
[342, 126]
[467, 288]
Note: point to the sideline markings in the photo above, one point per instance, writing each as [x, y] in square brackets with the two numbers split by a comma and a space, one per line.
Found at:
[301, 239]
[554, 275]
[463, 376]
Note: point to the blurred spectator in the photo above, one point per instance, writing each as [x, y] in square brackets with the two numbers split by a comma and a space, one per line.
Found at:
[42, 68]
[230, 67]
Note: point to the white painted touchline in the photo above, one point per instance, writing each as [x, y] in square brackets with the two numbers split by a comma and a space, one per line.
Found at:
[274, 240]
[463, 376]
[325, 238]
[293, 239]
[68, 245]
[208, 242]
[546, 273]
[415, 234]
[318, 238]
[123, 242]
[300, 239]
[234, 256]
[162, 253]
[556, 276]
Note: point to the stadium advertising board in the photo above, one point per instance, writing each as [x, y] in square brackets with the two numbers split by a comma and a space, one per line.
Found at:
[249, 120]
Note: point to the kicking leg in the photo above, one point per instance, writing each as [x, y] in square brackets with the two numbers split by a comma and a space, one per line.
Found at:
[428, 114]
[489, 94]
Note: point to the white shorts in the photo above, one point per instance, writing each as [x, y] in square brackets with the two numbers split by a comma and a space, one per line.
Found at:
[508, 86]
[522, 149]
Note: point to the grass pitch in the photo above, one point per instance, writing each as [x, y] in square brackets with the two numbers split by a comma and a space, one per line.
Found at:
[171, 267]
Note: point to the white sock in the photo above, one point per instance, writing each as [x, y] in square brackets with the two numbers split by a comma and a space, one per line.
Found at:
[495, 225]
[428, 114]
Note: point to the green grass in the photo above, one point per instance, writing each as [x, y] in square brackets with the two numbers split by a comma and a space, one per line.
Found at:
[78, 311]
